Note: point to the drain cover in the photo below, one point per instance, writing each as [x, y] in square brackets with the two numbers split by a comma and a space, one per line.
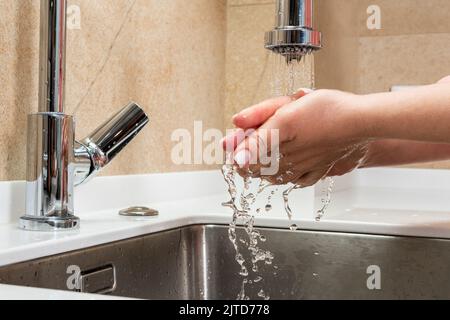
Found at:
[139, 212]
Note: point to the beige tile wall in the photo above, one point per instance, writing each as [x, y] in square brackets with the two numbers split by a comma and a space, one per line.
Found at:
[247, 63]
[172, 57]
[169, 56]
[413, 47]
[249, 67]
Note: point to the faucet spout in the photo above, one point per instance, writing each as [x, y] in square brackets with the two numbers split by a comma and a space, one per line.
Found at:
[105, 142]
[293, 36]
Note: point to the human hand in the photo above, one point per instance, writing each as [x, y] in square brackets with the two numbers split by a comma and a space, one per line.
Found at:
[317, 132]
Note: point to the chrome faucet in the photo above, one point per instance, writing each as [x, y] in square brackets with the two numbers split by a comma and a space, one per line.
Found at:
[56, 163]
[294, 36]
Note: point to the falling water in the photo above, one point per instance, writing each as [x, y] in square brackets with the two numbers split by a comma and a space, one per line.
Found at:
[242, 206]
[288, 76]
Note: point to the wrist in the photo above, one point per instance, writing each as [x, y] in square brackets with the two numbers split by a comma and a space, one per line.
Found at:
[360, 118]
[368, 118]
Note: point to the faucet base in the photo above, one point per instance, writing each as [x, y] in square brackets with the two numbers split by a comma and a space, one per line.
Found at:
[49, 224]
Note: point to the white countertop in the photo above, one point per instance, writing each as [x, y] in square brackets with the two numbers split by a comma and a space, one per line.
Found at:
[383, 201]
[24, 293]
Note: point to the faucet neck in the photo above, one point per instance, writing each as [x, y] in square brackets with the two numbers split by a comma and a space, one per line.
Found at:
[295, 13]
[56, 163]
[52, 64]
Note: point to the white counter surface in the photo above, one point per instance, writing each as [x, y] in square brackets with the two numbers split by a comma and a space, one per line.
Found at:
[23, 293]
[383, 201]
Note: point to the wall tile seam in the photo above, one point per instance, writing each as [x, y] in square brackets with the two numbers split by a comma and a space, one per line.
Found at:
[402, 35]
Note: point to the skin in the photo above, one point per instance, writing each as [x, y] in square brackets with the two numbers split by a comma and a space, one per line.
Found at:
[329, 133]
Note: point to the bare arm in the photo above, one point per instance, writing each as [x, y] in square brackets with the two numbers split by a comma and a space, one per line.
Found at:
[330, 132]
[420, 115]
[401, 152]
[383, 153]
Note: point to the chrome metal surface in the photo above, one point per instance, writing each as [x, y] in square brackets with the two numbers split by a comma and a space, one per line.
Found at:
[198, 262]
[297, 13]
[100, 280]
[50, 160]
[83, 164]
[139, 212]
[52, 60]
[293, 35]
[55, 162]
[48, 224]
[285, 41]
[112, 136]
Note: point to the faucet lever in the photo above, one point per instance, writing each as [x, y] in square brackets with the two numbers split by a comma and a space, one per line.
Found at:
[105, 142]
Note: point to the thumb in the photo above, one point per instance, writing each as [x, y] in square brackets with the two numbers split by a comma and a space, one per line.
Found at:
[256, 115]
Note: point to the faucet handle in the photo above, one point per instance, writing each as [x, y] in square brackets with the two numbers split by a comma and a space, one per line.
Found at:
[105, 142]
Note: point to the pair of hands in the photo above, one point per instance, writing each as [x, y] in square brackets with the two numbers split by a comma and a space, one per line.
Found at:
[329, 133]
[321, 133]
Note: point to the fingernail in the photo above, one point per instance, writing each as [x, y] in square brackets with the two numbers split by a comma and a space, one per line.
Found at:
[240, 115]
[242, 158]
[301, 92]
[305, 90]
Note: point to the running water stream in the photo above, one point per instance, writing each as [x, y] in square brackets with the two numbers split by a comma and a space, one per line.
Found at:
[242, 200]
[241, 203]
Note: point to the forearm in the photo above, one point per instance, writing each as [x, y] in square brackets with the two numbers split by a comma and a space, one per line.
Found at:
[422, 114]
[401, 152]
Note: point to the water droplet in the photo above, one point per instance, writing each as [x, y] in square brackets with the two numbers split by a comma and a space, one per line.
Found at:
[242, 198]
[263, 295]
[243, 272]
[293, 227]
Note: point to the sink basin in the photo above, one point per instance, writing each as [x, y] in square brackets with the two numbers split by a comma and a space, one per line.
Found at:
[197, 262]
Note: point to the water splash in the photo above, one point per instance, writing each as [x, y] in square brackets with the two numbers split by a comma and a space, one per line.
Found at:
[326, 199]
[242, 214]
[287, 78]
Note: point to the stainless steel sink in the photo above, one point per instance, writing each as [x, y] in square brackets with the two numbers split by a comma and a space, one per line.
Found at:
[197, 262]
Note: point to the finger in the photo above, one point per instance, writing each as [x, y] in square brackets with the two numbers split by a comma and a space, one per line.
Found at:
[255, 116]
[306, 159]
[445, 80]
[340, 168]
[311, 178]
[232, 140]
[345, 165]
[285, 177]
[261, 147]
